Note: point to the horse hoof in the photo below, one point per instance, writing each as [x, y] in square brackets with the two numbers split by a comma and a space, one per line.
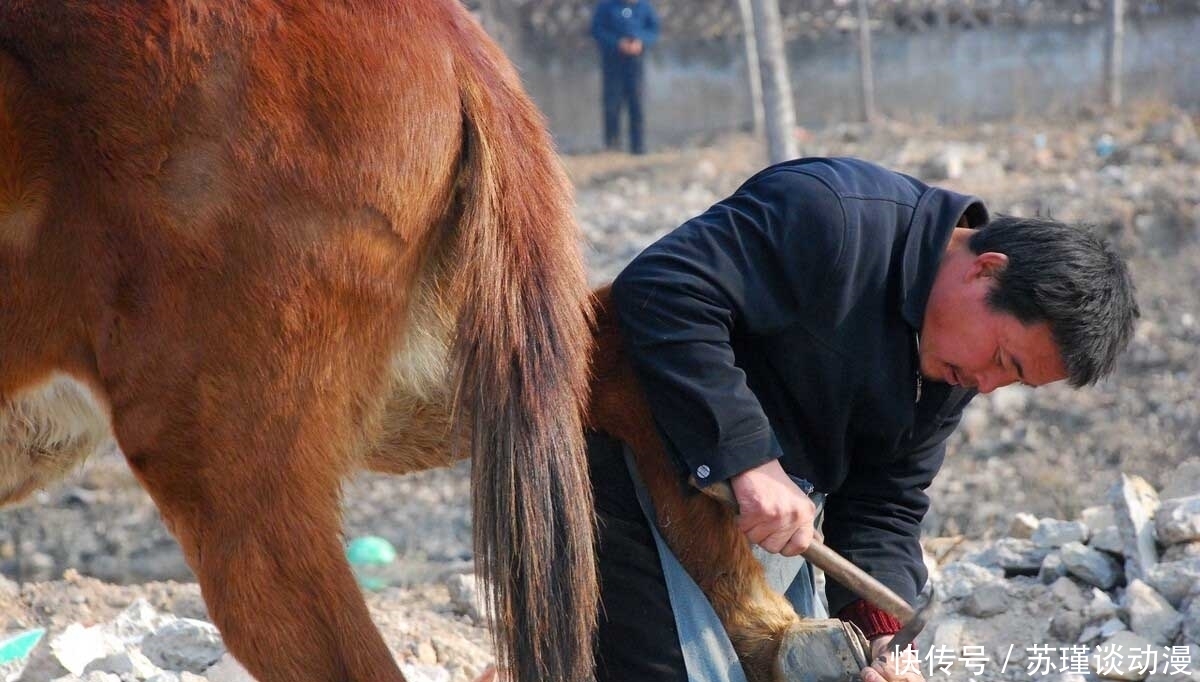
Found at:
[827, 650]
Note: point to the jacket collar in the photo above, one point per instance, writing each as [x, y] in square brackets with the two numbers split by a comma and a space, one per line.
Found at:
[934, 219]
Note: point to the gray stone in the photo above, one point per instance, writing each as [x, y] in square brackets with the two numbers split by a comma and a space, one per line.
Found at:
[949, 635]
[1134, 501]
[131, 663]
[1175, 580]
[1064, 677]
[1089, 634]
[228, 670]
[1067, 626]
[1068, 594]
[946, 164]
[1101, 606]
[1111, 660]
[960, 579]
[184, 645]
[973, 425]
[425, 673]
[1180, 552]
[1052, 568]
[464, 595]
[1012, 402]
[1176, 131]
[1055, 533]
[1178, 520]
[68, 653]
[1111, 627]
[1012, 555]
[1179, 663]
[1098, 518]
[1022, 526]
[1108, 539]
[1091, 566]
[1191, 623]
[1150, 615]
[136, 621]
[39, 567]
[93, 676]
[987, 600]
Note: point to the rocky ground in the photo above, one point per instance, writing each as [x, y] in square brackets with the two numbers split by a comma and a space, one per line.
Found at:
[1050, 453]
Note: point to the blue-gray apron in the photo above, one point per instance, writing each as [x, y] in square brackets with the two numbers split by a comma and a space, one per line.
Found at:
[707, 651]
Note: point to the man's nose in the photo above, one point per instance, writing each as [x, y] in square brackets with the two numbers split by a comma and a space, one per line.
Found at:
[989, 381]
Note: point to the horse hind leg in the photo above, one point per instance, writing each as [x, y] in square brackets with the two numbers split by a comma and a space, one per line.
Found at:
[250, 486]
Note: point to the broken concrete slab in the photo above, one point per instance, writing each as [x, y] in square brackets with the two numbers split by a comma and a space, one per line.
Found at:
[1134, 502]
[1150, 615]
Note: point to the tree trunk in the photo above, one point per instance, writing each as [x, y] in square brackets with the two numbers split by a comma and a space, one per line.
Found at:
[866, 72]
[1114, 43]
[778, 108]
[753, 70]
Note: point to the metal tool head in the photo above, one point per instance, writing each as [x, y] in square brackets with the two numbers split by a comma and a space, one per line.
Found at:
[922, 614]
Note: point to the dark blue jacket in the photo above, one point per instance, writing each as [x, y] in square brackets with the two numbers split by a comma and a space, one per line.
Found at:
[783, 323]
[617, 19]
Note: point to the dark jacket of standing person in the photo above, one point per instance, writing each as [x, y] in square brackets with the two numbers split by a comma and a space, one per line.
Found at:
[624, 30]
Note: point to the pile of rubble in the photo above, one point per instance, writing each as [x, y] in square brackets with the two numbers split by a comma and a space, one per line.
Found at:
[1115, 594]
[1052, 452]
[141, 643]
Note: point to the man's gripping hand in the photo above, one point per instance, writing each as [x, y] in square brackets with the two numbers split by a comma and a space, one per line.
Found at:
[773, 512]
[886, 667]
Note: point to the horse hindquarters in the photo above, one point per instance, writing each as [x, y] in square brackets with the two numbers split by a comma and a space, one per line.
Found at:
[246, 187]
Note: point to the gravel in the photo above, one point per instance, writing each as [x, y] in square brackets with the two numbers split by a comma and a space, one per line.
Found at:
[1048, 453]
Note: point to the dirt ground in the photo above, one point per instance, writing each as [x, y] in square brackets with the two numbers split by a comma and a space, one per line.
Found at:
[1050, 452]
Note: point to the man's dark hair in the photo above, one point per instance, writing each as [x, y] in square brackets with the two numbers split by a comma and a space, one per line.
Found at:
[1069, 278]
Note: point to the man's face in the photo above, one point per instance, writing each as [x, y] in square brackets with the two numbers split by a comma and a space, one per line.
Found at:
[965, 342]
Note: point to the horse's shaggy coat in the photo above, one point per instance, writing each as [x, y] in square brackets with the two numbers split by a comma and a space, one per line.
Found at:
[264, 243]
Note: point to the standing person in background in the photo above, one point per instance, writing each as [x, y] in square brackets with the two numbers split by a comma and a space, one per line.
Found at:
[624, 30]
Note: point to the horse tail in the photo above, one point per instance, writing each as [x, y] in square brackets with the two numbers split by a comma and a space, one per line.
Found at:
[521, 354]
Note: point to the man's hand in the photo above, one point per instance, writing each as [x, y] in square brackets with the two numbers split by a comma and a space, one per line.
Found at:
[774, 513]
[885, 667]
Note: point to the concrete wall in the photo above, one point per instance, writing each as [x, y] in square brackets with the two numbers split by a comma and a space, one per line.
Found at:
[952, 76]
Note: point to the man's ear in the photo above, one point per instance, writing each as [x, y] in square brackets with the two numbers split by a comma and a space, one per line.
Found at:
[989, 264]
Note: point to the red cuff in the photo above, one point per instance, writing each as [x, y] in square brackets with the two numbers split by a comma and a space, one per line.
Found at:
[873, 621]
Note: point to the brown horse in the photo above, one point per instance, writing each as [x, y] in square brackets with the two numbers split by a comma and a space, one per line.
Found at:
[264, 243]
[701, 531]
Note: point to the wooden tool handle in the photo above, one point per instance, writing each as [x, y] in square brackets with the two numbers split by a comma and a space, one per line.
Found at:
[857, 580]
[835, 566]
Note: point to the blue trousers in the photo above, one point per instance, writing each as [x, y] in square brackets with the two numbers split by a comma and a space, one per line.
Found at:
[622, 90]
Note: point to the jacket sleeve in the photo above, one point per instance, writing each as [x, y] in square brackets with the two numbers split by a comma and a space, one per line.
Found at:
[602, 29]
[649, 30]
[874, 519]
[749, 265]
